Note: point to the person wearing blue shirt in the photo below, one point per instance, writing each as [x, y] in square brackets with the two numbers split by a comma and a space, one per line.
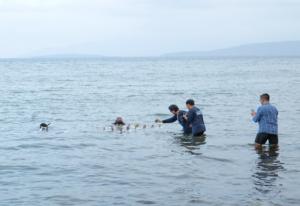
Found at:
[177, 115]
[194, 118]
[266, 117]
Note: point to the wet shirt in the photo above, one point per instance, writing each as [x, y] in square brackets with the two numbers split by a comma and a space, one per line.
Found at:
[186, 128]
[195, 119]
[266, 116]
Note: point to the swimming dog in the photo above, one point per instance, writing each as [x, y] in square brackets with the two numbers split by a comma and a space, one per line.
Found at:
[44, 126]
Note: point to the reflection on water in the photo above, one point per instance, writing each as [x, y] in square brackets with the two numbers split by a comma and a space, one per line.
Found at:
[267, 171]
[191, 143]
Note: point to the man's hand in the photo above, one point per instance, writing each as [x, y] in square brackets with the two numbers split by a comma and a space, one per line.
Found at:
[253, 113]
[185, 116]
[158, 121]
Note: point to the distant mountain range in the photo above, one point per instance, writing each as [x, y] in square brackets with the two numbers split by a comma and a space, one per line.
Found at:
[68, 56]
[270, 49]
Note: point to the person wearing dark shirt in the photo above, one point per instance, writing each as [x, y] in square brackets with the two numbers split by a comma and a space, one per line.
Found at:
[178, 115]
[266, 117]
[194, 118]
[119, 122]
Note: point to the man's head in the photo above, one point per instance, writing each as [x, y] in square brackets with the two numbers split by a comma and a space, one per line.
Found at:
[119, 121]
[264, 98]
[190, 103]
[174, 109]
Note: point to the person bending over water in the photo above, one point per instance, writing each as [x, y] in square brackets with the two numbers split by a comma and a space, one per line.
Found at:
[266, 117]
[194, 118]
[178, 115]
[119, 122]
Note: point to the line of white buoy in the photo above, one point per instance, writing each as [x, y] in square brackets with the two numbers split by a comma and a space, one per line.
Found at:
[129, 127]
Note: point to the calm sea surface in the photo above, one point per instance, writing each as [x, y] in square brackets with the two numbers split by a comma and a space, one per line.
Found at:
[77, 163]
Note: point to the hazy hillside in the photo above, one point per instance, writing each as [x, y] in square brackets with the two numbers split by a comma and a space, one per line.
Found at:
[290, 48]
[68, 56]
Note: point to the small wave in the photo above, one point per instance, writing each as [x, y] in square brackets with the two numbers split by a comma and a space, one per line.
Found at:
[17, 168]
[30, 146]
[84, 145]
[146, 202]
[160, 114]
[129, 96]
[218, 159]
[9, 148]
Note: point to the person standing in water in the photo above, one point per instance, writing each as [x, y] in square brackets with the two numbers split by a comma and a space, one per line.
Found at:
[266, 117]
[194, 118]
[178, 115]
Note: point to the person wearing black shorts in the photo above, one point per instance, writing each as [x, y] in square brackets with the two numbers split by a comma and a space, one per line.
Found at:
[266, 117]
[261, 138]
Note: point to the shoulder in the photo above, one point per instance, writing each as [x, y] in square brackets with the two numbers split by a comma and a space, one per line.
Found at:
[192, 110]
[182, 112]
[271, 105]
[274, 108]
[195, 108]
[261, 108]
[198, 111]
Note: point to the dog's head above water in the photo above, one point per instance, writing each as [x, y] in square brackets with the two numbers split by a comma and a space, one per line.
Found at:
[44, 126]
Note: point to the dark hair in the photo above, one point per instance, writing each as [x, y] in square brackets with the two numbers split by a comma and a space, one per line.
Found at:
[119, 121]
[190, 102]
[173, 107]
[265, 96]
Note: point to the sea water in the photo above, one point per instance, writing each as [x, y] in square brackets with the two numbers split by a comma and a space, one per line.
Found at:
[78, 163]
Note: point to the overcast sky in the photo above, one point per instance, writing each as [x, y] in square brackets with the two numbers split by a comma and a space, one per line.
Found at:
[141, 27]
